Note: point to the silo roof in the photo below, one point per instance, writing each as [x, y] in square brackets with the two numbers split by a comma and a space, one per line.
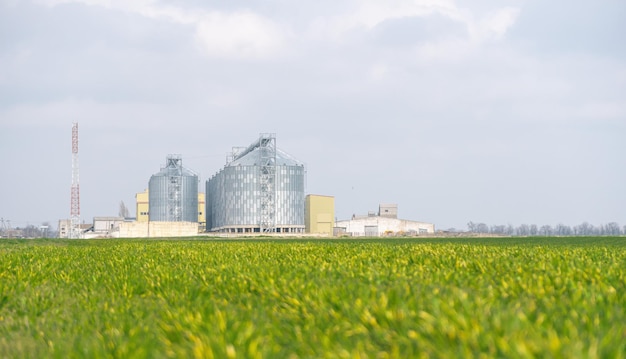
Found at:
[253, 158]
[180, 171]
[174, 167]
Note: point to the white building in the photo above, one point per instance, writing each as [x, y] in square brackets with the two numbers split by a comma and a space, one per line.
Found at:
[384, 223]
[106, 225]
[64, 228]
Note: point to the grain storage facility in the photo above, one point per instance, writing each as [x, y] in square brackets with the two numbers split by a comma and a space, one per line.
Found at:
[173, 193]
[259, 190]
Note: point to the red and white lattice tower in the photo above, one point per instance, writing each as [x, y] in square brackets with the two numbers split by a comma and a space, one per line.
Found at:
[74, 231]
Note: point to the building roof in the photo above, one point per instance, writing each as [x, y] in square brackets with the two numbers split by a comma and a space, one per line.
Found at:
[108, 218]
[377, 219]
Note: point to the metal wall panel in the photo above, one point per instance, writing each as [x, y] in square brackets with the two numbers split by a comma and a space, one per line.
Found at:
[233, 196]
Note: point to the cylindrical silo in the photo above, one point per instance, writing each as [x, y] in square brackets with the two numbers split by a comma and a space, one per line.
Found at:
[173, 193]
[260, 190]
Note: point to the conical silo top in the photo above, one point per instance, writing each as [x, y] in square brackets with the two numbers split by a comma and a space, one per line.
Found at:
[174, 167]
[263, 151]
[254, 158]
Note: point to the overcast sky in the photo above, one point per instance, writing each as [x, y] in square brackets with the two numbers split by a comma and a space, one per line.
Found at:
[502, 112]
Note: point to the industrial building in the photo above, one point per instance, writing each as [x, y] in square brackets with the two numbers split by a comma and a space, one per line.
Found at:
[143, 208]
[106, 224]
[100, 227]
[259, 190]
[173, 193]
[319, 214]
[119, 227]
[65, 228]
[383, 223]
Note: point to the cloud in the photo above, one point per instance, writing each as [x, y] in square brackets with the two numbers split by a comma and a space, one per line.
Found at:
[372, 13]
[581, 27]
[242, 34]
[494, 25]
[235, 34]
[408, 33]
[368, 14]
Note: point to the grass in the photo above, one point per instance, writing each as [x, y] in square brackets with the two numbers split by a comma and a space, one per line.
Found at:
[491, 297]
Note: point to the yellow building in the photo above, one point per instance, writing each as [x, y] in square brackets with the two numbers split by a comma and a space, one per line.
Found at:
[143, 205]
[142, 200]
[319, 214]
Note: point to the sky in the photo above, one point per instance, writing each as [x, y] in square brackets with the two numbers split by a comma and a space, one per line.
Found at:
[492, 111]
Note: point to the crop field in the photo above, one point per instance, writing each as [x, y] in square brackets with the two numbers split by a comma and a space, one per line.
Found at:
[374, 298]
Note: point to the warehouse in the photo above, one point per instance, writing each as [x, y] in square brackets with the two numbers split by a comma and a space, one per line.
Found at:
[259, 190]
[383, 223]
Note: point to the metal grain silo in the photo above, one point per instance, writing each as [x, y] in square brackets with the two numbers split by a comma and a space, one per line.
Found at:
[173, 193]
[261, 189]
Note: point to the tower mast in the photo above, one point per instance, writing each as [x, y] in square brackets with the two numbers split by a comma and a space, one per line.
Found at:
[74, 231]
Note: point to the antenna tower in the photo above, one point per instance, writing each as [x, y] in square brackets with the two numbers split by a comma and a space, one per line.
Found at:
[74, 231]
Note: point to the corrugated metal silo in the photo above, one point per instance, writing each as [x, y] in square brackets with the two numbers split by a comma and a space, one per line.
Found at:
[261, 189]
[173, 193]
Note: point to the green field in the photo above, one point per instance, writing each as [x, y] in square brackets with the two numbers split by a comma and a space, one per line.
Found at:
[509, 298]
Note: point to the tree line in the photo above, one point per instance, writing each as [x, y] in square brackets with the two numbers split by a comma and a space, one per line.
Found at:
[583, 229]
[45, 230]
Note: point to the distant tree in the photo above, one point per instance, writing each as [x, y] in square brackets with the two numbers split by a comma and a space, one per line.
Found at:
[545, 230]
[583, 229]
[477, 227]
[482, 228]
[534, 230]
[612, 229]
[523, 230]
[563, 230]
[123, 212]
[30, 231]
[499, 229]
